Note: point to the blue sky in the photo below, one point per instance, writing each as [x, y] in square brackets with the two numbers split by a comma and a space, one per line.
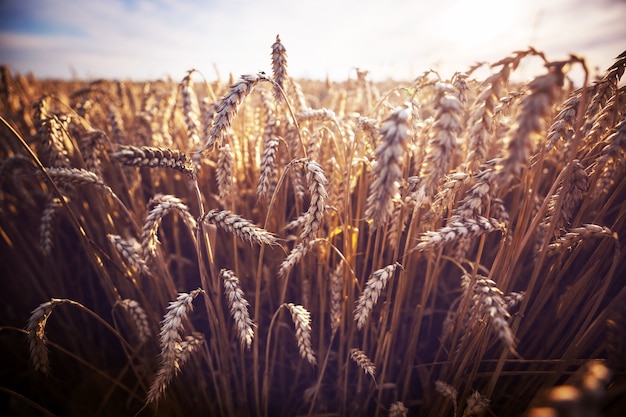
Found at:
[148, 39]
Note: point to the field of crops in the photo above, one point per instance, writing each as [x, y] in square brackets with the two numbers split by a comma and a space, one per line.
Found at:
[281, 247]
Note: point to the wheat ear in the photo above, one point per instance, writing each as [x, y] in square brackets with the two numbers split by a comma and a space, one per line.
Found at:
[148, 156]
[387, 170]
[488, 300]
[279, 67]
[238, 307]
[76, 176]
[397, 409]
[47, 223]
[363, 361]
[443, 141]
[449, 392]
[37, 337]
[317, 189]
[477, 404]
[302, 322]
[138, 317]
[190, 109]
[129, 250]
[336, 297]
[161, 206]
[172, 354]
[535, 106]
[457, 228]
[240, 227]
[578, 234]
[229, 105]
[373, 288]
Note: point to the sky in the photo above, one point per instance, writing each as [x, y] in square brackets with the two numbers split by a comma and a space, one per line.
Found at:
[397, 39]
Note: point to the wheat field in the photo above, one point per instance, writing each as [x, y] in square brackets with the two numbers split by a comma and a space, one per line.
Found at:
[281, 247]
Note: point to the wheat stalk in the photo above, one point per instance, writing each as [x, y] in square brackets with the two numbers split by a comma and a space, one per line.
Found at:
[161, 206]
[190, 109]
[76, 176]
[457, 228]
[535, 106]
[148, 156]
[172, 355]
[397, 409]
[46, 225]
[488, 300]
[279, 67]
[477, 404]
[229, 105]
[224, 174]
[336, 297]
[238, 307]
[449, 392]
[387, 170]
[373, 288]
[240, 227]
[138, 317]
[36, 336]
[443, 140]
[302, 322]
[130, 252]
[572, 194]
[363, 361]
[267, 174]
[578, 234]
[315, 213]
[52, 137]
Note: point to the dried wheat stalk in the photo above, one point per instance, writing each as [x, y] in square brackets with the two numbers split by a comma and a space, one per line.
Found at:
[268, 170]
[279, 67]
[373, 288]
[229, 105]
[387, 170]
[489, 301]
[397, 409]
[296, 254]
[477, 404]
[363, 361]
[315, 213]
[190, 109]
[148, 156]
[76, 176]
[46, 224]
[481, 120]
[138, 317]
[572, 194]
[36, 335]
[442, 143]
[90, 144]
[52, 136]
[240, 227]
[535, 106]
[238, 307]
[449, 392]
[225, 174]
[161, 206]
[302, 322]
[336, 297]
[611, 160]
[578, 234]
[172, 354]
[130, 251]
[457, 228]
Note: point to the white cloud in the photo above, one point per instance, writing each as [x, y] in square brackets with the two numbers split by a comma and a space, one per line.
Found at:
[151, 39]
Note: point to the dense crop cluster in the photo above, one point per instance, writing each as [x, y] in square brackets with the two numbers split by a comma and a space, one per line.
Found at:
[275, 247]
